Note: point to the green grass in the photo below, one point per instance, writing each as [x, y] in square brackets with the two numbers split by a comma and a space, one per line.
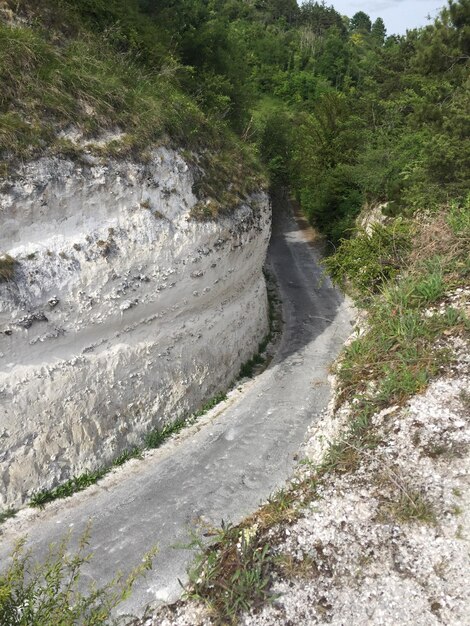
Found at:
[83, 82]
[74, 485]
[53, 592]
[412, 507]
[363, 264]
[248, 369]
[64, 72]
[157, 437]
[234, 575]
[7, 514]
[210, 404]
[133, 453]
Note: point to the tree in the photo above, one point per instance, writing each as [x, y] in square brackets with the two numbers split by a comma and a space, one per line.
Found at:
[360, 23]
[379, 31]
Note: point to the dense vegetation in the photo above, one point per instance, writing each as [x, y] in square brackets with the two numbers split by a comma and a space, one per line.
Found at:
[336, 110]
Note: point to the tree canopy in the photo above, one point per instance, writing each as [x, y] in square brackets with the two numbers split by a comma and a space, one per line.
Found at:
[340, 113]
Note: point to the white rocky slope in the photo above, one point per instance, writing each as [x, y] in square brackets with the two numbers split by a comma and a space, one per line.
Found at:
[123, 312]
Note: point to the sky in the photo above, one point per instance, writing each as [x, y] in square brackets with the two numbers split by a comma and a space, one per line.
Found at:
[398, 15]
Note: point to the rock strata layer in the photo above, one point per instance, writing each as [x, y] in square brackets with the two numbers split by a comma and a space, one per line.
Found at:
[121, 313]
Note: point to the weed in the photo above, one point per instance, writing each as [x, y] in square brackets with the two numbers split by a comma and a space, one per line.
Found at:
[7, 267]
[434, 451]
[52, 592]
[412, 506]
[464, 398]
[458, 217]
[210, 404]
[7, 513]
[293, 567]
[234, 574]
[248, 368]
[74, 485]
[282, 506]
[367, 261]
[157, 437]
[132, 453]
[431, 287]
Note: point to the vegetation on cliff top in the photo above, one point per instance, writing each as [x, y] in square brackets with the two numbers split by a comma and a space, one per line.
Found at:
[336, 110]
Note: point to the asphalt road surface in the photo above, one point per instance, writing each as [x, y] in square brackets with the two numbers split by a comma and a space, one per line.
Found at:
[227, 464]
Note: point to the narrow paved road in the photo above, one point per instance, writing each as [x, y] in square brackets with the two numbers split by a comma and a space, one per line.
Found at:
[230, 462]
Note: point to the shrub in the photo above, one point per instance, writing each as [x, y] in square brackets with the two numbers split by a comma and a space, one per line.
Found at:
[51, 593]
[367, 261]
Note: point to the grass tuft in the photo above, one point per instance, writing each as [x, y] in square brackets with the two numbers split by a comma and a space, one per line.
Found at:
[412, 506]
[7, 267]
[7, 514]
[74, 485]
[234, 575]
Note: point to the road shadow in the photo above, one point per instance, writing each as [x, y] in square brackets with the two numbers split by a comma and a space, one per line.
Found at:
[310, 302]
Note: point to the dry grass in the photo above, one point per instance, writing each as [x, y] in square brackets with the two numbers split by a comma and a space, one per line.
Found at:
[410, 506]
[7, 267]
[290, 567]
[436, 236]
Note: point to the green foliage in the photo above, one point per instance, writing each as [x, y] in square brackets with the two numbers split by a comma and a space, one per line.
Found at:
[51, 593]
[210, 404]
[157, 437]
[133, 453]
[75, 484]
[458, 218]
[413, 506]
[340, 114]
[400, 283]
[7, 514]
[360, 22]
[368, 260]
[86, 84]
[234, 574]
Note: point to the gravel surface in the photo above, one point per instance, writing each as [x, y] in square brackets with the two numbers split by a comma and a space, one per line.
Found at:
[355, 559]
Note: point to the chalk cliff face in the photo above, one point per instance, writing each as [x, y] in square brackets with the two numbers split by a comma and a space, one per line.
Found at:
[122, 313]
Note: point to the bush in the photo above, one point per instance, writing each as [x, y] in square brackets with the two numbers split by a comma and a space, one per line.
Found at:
[51, 593]
[367, 261]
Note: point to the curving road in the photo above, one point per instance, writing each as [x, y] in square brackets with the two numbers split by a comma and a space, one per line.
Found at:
[223, 467]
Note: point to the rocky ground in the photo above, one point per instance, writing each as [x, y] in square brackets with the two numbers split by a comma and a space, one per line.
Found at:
[387, 542]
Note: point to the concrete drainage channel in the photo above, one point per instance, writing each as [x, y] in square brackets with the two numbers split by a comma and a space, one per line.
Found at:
[224, 465]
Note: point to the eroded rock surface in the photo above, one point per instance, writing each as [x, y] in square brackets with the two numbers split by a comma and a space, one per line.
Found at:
[123, 312]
